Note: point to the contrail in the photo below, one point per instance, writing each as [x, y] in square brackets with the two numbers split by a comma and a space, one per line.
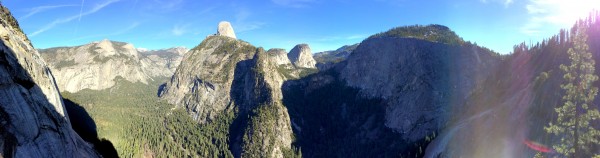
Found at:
[133, 8]
[59, 21]
[81, 10]
[79, 19]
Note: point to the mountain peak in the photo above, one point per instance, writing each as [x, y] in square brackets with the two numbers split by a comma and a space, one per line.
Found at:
[225, 29]
[301, 56]
[432, 32]
[104, 43]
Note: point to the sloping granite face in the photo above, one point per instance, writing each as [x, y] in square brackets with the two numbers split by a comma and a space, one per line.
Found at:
[419, 80]
[269, 126]
[301, 56]
[225, 29]
[96, 65]
[279, 56]
[203, 81]
[33, 120]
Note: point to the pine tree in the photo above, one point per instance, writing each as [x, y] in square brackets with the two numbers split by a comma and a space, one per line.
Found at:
[575, 115]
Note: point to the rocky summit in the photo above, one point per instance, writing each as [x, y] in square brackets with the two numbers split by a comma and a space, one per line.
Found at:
[33, 119]
[416, 79]
[223, 75]
[202, 83]
[301, 56]
[225, 29]
[279, 56]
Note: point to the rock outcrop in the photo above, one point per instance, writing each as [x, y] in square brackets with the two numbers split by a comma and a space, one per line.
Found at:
[33, 119]
[418, 79]
[269, 130]
[202, 83]
[279, 56]
[392, 91]
[225, 29]
[96, 65]
[223, 74]
[285, 67]
[301, 56]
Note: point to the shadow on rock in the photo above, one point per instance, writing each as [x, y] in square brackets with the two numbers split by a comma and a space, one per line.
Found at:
[84, 125]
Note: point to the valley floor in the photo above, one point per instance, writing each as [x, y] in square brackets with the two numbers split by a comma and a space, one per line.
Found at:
[138, 124]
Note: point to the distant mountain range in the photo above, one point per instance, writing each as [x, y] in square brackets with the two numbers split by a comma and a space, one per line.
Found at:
[95, 65]
[327, 59]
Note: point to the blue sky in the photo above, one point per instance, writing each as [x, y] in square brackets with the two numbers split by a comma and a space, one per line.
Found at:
[324, 25]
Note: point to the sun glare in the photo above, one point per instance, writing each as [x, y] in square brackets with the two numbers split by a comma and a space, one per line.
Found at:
[565, 13]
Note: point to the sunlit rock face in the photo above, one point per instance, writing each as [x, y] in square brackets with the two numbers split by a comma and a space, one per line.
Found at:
[33, 119]
[225, 29]
[279, 56]
[222, 75]
[419, 80]
[96, 65]
[301, 56]
[203, 81]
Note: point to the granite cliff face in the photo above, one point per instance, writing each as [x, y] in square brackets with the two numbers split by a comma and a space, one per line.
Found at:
[286, 67]
[96, 65]
[269, 130]
[394, 90]
[223, 74]
[279, 57]
[418, 80]
[301, 56]
[225, 29]
[33, 119]
[202, 82]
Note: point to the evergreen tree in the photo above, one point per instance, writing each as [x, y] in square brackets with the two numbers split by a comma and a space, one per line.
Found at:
[575, 115]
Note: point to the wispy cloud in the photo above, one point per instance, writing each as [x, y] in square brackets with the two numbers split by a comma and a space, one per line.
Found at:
[81, 10]
[79, 19]
[341, 38]
[242, 14]
[249, 26]
[132, 8]
[56, 22]
[294, 3]
[393, 2]
[242, 22]
[179, 30]
[506, 3]
[164, 5]
[119, 32]
[40, 9]
[559, 13]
